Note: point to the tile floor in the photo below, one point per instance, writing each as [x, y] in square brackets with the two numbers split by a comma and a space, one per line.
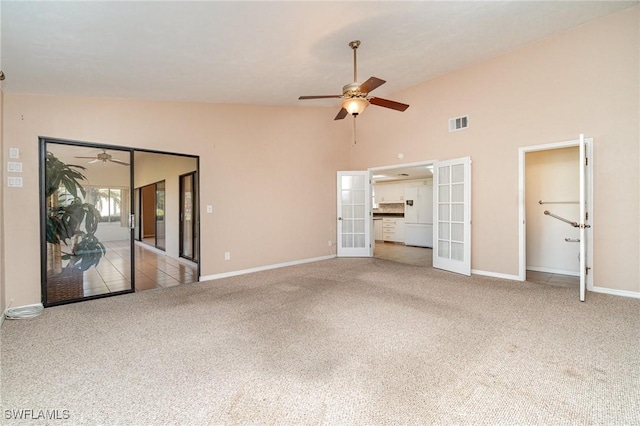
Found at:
[424, 257]
[419, 256]
[153, 270]
[553, 279]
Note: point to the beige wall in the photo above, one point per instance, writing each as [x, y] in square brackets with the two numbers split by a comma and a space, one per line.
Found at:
[552, 175]
[582, 81]
[269, 173]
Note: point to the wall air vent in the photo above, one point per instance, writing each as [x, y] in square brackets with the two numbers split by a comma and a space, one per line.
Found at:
[458, 123]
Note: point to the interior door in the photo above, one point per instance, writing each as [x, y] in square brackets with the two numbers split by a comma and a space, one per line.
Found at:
[452, 215]
[354, 221]
[584, 217]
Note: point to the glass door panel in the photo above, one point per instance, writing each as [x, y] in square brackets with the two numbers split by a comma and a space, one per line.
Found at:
[87, 237]
[353, 214]
[188, 211]
[160, 221]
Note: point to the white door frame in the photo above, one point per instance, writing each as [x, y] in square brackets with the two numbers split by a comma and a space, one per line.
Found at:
[374, 170]
[522, 207]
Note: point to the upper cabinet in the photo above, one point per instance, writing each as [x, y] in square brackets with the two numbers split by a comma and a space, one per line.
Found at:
[394, 192]
[389, 193]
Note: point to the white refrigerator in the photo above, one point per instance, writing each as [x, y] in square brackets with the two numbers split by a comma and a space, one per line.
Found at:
[418, 216]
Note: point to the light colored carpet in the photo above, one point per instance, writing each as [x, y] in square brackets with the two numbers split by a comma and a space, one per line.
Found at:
[343, 341]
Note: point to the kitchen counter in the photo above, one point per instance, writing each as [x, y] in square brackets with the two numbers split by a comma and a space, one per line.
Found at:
[381, 215]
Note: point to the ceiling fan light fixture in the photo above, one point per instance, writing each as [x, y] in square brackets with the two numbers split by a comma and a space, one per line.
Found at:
[355, 106]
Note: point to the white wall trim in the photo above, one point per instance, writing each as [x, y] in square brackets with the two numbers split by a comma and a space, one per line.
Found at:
[264, 268]
[554, 271]
[614, 292]
[496, 275]
[2, 317]
[401, 166]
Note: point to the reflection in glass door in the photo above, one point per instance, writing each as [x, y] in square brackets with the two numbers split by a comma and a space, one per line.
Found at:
[188, 217]
[86, 230]
[161, 239]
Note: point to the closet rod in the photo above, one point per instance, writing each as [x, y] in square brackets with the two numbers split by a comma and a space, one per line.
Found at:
[558, 202]
[548, 213]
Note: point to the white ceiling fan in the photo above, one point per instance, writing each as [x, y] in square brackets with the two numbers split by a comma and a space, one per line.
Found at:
[104, 157]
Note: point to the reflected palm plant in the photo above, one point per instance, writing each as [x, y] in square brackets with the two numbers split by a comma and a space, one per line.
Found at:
[70, 220]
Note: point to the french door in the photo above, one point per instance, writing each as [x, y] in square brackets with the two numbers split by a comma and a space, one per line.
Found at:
[452, 215]
[87, 235]
[354, 220]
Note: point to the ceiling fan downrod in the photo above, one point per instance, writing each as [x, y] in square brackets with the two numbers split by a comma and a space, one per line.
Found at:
[354, 45]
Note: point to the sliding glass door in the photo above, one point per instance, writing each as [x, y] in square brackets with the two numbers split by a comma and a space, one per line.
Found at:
[86, 231]
[188, 217]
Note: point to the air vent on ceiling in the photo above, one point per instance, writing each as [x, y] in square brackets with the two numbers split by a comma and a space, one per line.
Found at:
[458, 123]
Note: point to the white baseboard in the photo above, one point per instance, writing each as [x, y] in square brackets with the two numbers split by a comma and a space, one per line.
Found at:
[614, 292]
[496, 275]
[553, 271]
[263, 268]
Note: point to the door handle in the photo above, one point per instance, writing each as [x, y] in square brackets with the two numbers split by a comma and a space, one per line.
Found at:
[132, 221]
[339, 218]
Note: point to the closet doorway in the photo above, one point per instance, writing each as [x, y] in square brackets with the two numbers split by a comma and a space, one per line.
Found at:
[555, 216]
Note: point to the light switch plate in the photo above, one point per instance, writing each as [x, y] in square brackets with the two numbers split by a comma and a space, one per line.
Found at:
[14, 182]
[14, 153]
[14, 167]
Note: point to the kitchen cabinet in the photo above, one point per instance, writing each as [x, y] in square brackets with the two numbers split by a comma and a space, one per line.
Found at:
[377, 229]
[389, 193]
[393, 229]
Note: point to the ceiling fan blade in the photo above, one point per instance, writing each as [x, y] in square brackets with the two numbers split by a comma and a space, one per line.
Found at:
[115, 160]
[302, 98]
[388, 104]
[86, 157]
[371, 84]
[95, 160]
[341, 114]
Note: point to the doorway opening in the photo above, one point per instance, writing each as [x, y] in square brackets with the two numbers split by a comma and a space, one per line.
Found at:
[151, 216]
[402, 206]
[551, 227]
[167, 188]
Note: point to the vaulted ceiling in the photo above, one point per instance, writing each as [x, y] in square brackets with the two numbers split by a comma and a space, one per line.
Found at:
[265, 53]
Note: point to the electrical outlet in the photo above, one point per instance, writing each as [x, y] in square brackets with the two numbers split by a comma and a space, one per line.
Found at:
[227, 256]
[209, 208]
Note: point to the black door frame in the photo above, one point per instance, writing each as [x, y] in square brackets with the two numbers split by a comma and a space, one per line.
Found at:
[195, 206]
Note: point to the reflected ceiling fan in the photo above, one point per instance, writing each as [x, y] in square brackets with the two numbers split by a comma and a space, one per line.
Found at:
[356, 95]
[104, 157]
